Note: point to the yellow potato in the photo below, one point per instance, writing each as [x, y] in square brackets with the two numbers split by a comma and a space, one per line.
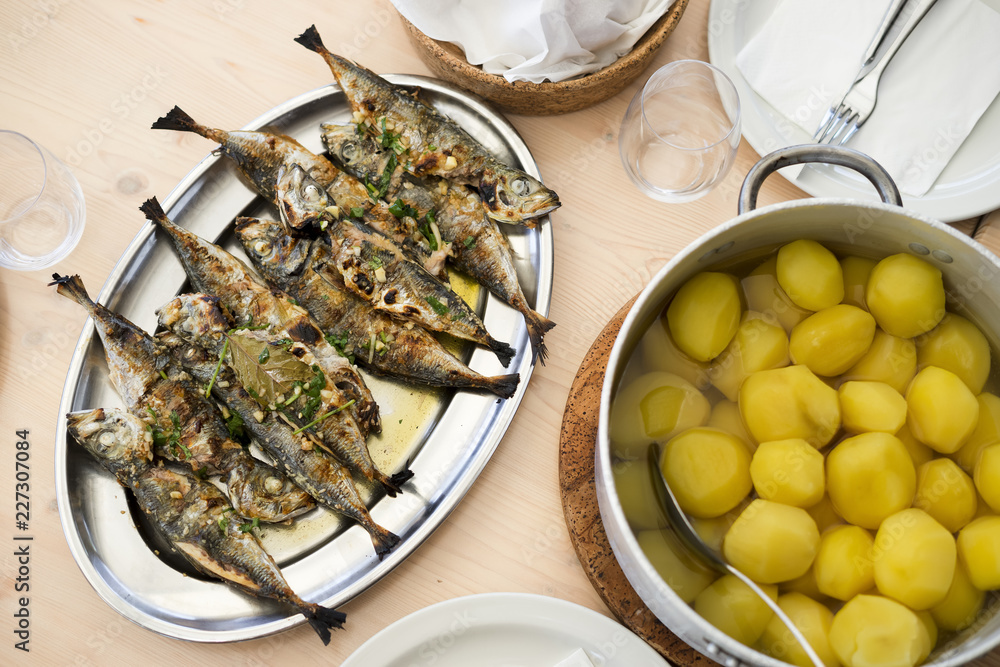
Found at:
[915, 559]
[637, 495]
[731, 606]
[708, 470]
[704, 314]
[764, 295]
[979, 552]
[659, 352]
[957, 345]
[870, 477]
[856, 271]
[726, 417]
[987, 476]
[986, 433]
[890, 359]
[824, 514]
[806, 584]
[960, 606]
[919, 452]
[932, 632]
[713, 531]
[906, 295]
[654, 408]
[757, 345]
[871, 406]
[946, 493]
[787, 403]
[982, 508]
[684, 573]
[789, 472]
[812, 619]
[873, 631]
[942, 412]
[771, 542]
[832, 340]
[810, 275]
[843, 567]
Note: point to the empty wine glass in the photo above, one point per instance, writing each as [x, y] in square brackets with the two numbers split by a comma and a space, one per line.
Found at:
[681, 131]
[42, 210]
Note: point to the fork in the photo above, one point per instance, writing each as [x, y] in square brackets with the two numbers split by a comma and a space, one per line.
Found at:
[859, 101]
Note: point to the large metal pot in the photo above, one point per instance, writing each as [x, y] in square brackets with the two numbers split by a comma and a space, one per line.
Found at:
[873, 229]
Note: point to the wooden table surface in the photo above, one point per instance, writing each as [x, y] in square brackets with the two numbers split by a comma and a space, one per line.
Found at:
[87, 79]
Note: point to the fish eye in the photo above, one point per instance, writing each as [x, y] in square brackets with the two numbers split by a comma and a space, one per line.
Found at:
[312, 193]
[262, 247]
[520, 186]
[349, 151]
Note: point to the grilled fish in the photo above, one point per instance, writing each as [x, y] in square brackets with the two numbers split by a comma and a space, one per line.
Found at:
[187, 427]
[477, 245]
[376, 271]
[260, 157]
[199, 320]
[190, 513]
[430, 143]
[380, 343]
[322, 476]
[214, 271]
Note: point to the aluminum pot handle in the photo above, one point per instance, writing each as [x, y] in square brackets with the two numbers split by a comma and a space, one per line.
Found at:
[805, 153]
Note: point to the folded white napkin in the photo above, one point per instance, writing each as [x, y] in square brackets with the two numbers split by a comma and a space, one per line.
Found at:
[930, 97]
[536, 40]
[578, 658]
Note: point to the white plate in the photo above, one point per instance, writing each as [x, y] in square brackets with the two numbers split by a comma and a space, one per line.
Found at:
[968, 186]
[503, 630]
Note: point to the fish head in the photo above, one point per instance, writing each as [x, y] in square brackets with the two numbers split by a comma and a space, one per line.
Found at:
[344, 143]
[196, 318]
[119, 440]
[302, 202]
[277, 255]
[510, 195]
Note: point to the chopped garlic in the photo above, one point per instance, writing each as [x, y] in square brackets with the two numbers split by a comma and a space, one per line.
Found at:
[444, 301]
[443, 186]
[306, 445]
[389, 125]
[357, 117]
[380, 274]
[326, 395]
[356, 250]
[222, 384]
[258, 415]
[408, 325]
[407, 186]
[379, 346]
[334, 211]
[176, 494]
[450, 163]
[225, 411]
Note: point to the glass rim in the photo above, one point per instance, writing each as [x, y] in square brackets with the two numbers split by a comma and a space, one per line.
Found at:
[45, 173]
[739, 108]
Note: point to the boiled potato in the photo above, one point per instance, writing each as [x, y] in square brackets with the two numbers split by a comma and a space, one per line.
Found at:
[810, 275]
[789, 472]
[946, 493]
[843, 567]
[979, 552]
[770, 542]
[890, 359]
[987, 476]
[812, 619]
[873, 631]
[704, 314]
[659, 352]
[824, 514]
[731, 606]
[713, 531]
[961, 605]
[986, 433]
[856, 271]
[832, 340]
[870, 477]
[789, 402]
[919, 452]
[932, 632]
[871, 406]
[914, 558]
[684, 573]
[764, 295]
[957, 345]
[637, 495]
[757, 346]
[942, 412]
[806, 584]
[708, 470]
[653, 408]
[726, 417]
[906, 295]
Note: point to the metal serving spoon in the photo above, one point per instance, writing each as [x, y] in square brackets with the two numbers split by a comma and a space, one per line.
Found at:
[690, 538]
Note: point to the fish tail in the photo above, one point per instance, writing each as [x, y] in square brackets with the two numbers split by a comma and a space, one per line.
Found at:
[503, 386]
[322, 619]
[152, 210]
[178, 119]
[383, 539]
[503, 351]
[312, 41]
[72, 287]
[538, 325]
[394, 484]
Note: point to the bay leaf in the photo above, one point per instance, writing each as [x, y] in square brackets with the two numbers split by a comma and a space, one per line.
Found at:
[270, 379]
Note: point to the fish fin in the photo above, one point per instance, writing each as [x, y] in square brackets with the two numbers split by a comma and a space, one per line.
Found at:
[538, 325]
[322, 619]
[152, 210]
[177, 119]
[72, 288]
[503, 351]
[383, 540]
[402, 477]
[504, 386]
[311, 40]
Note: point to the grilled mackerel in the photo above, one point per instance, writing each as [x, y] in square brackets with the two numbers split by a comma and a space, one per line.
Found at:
[186, 426]
[190, 513]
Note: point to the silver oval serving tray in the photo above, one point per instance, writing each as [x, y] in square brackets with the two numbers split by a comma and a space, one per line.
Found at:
[449, 436]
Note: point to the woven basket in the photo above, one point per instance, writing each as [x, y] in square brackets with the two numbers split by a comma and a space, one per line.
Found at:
[447, 61]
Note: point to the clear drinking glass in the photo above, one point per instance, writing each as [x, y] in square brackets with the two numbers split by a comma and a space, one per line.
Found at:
[42, 210]
[681, 131]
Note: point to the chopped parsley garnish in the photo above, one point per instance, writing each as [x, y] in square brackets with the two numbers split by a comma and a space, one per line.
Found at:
[438, 307]
[250, 525]
[170, 440]
[357, 212]
[224, 522]
[201, 473]
[237, 428]
[340, 343]
[458, 316]
[375, 262]
[425, 229]
[390, 139]
[469, 241]
[401, 210]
